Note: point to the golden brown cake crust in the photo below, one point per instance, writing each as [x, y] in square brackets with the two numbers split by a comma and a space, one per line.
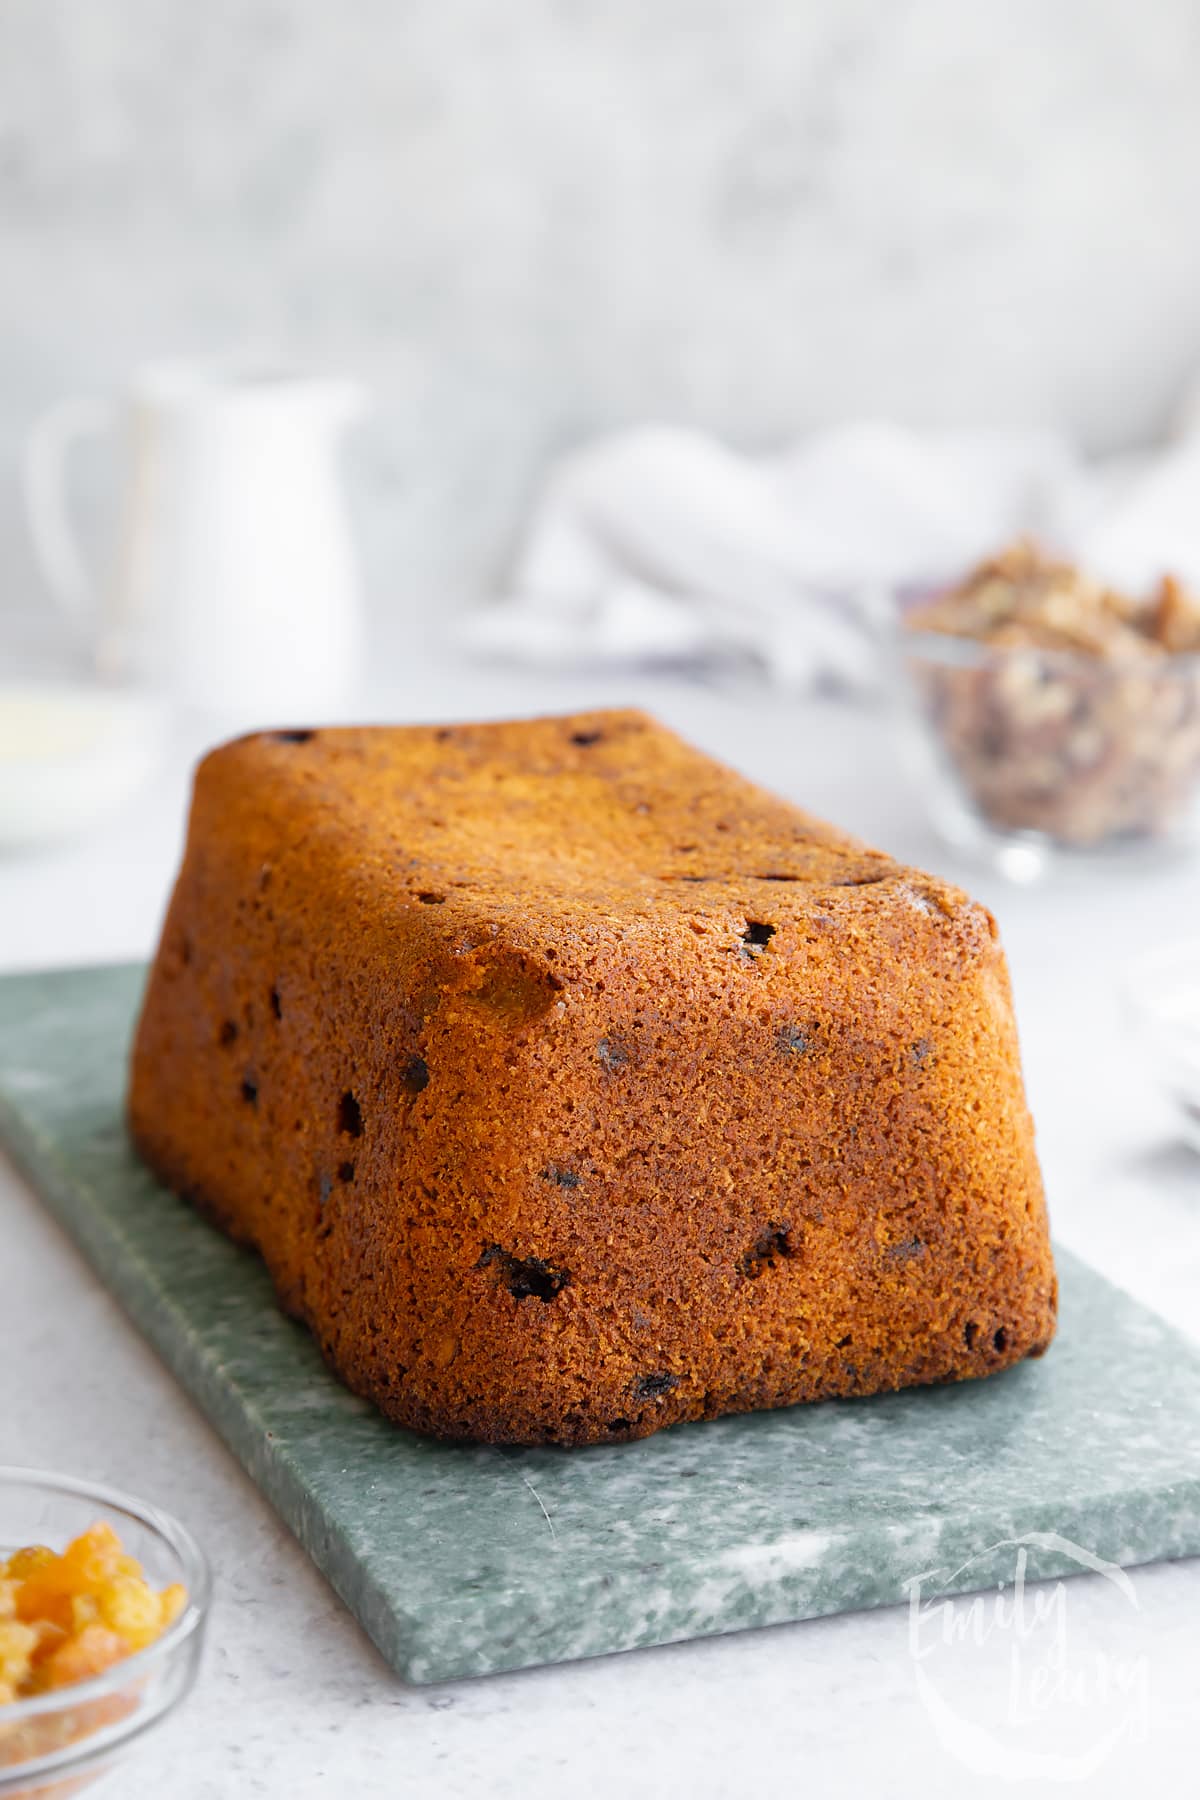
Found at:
[571, 1085]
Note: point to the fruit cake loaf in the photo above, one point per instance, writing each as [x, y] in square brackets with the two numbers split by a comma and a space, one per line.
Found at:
[570, 1085]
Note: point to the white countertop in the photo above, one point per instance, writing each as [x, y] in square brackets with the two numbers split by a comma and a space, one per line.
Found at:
[293, 1700]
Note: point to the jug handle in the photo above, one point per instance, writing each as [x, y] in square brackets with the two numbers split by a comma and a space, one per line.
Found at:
[44, 482]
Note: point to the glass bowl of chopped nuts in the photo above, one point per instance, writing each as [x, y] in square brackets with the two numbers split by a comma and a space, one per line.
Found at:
[1048, 718]
[103, 1602]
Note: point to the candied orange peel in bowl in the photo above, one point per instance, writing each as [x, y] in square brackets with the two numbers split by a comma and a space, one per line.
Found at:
[100, 1637]
[67, 1616]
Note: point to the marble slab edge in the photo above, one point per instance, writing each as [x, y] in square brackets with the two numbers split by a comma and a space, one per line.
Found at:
[786, 1578]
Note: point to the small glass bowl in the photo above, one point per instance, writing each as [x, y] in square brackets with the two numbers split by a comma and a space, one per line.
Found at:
[1030, 756]
[1162, 998]
[58, 1743]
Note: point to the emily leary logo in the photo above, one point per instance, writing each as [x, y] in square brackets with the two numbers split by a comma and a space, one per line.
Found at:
[1057, 1707]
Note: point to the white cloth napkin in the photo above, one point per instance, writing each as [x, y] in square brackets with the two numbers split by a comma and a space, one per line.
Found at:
[659, 545]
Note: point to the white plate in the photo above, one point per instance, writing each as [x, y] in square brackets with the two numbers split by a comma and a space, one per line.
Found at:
[70, 756]
[1162, 994]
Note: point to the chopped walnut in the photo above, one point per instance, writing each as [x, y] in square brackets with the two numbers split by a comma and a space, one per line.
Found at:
[1085, 722]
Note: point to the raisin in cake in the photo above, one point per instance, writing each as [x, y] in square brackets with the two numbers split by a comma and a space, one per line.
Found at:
[570, 1085]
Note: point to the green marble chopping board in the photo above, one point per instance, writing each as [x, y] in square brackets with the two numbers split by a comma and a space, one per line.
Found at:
[466, 1560]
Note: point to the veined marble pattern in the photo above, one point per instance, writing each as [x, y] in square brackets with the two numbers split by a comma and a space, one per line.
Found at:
[467, 1560]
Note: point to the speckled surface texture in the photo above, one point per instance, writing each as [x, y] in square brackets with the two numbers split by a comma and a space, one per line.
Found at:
[463, 1561]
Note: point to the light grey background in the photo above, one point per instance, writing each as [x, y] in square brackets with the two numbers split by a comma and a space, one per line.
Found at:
[526, 222]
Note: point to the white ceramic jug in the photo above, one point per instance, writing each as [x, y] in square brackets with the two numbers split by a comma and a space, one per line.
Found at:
[234, 583]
